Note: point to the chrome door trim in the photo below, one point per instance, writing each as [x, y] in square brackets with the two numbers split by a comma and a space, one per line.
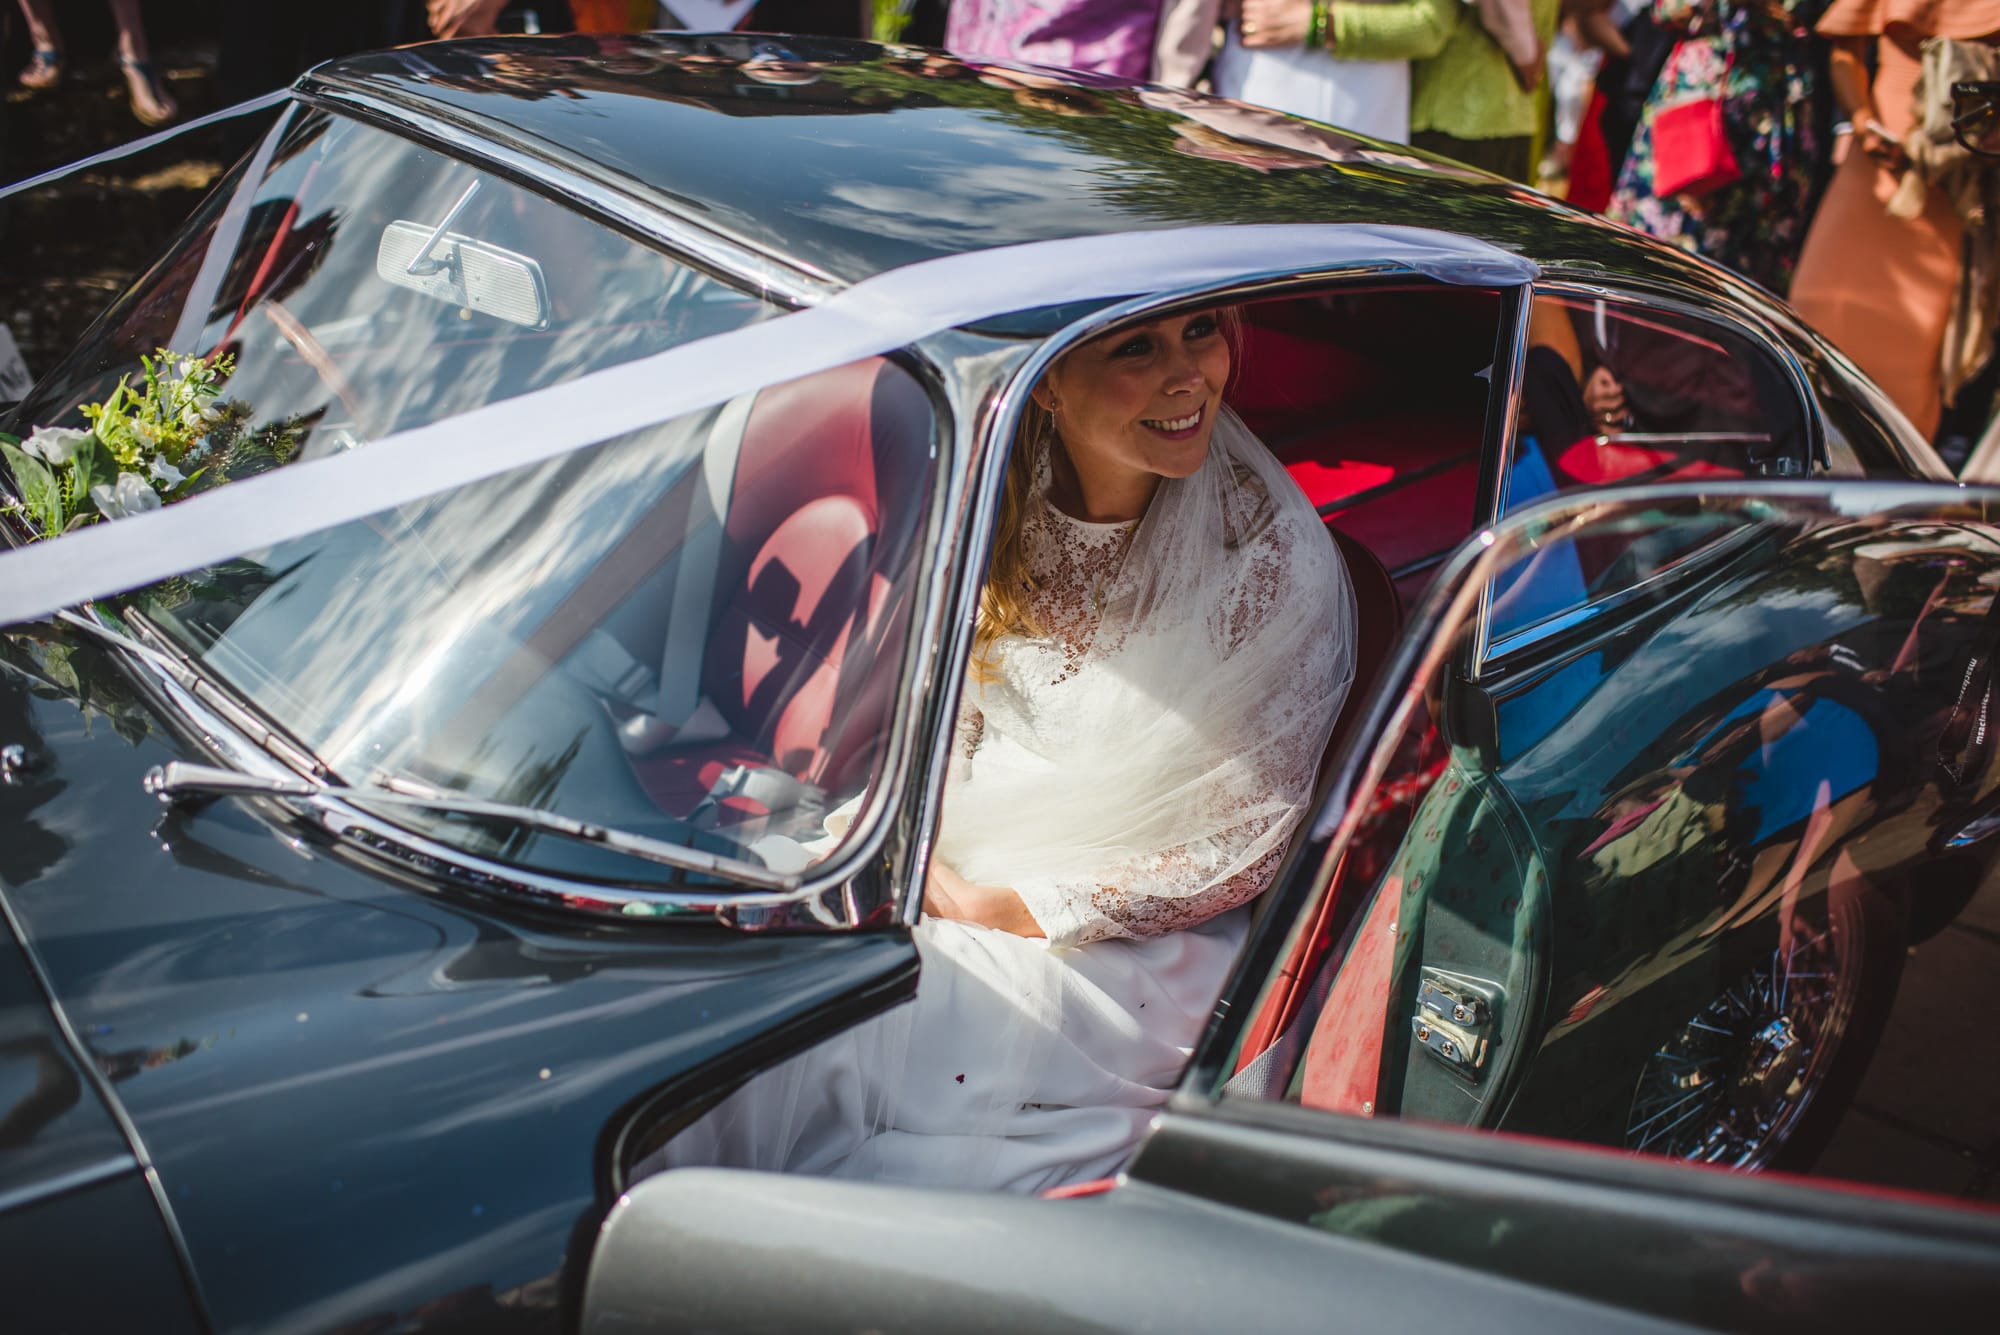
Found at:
[1491, 500]
[1737, 318]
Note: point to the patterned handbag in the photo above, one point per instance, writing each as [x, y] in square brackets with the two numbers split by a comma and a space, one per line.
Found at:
[1691, 152]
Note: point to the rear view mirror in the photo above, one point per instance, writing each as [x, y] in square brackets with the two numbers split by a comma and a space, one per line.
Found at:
[464, 271]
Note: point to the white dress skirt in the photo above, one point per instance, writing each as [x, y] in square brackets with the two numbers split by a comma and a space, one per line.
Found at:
[1017, 1067]
[1369, 97]
[1136, 782]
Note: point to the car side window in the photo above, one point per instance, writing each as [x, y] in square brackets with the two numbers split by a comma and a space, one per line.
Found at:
[1615, 393]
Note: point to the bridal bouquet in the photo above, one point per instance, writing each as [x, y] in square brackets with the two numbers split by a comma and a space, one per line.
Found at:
[147, 444]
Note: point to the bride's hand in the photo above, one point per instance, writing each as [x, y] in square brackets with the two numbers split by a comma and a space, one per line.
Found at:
[949, 895]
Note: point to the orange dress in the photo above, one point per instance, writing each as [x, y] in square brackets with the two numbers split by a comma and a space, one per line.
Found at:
[1880, 287]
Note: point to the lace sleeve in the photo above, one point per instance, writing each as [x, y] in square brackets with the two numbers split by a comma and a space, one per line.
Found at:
[1166, 891]
[1249, 805]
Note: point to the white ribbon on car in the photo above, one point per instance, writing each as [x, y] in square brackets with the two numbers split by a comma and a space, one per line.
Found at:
[133, 147]
[878, 315]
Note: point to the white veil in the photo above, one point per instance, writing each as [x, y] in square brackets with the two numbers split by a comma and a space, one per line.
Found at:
[1133, 788]
[1184, 744]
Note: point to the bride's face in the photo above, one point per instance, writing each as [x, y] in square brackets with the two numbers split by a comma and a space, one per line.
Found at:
[1142, 400]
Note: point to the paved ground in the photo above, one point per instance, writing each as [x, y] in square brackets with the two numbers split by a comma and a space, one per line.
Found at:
[66, 252]
[1927, 1117]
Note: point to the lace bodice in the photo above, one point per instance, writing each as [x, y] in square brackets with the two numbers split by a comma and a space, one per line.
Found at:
[1055, 703]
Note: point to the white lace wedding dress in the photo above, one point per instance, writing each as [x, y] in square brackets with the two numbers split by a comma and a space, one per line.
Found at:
[1134, 772]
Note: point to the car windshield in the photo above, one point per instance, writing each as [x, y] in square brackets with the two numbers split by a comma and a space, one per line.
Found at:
[688, 632]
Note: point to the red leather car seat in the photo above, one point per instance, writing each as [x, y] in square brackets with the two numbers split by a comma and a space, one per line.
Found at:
[1375, 412]
[823, 509]
[1378, 619]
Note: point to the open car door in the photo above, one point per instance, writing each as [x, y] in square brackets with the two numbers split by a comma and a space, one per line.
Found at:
[1678, 878]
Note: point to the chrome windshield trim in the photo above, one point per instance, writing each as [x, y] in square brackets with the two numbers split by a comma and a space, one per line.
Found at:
[767, 274]
[232, 736]
[227, 727]
[380, 840]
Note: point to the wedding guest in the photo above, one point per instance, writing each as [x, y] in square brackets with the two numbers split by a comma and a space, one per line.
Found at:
[1761, 59]
[1344, 62]
[1475, 102]
[483, 18]
[1113, 37]
[1879, 284]
[150, 100]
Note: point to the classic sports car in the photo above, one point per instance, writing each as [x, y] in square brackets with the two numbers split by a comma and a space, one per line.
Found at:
[585, 454]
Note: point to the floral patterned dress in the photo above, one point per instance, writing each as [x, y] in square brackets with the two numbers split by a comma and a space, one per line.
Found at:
[1764, 56]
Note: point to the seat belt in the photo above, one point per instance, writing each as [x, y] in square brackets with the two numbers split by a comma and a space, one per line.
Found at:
[775, 790]
[681, 658]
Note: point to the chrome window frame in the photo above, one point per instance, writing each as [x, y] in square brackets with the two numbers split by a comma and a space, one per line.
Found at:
[996, 432]
[1738, 319]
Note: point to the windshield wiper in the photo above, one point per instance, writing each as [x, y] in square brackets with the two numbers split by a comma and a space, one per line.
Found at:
[179, 778]
[260, 732]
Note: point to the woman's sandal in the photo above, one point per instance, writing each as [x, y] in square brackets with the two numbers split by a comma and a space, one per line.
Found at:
[151, 102]
[43, 70]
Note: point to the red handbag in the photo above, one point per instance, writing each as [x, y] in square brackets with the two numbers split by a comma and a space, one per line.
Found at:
[1691, 152]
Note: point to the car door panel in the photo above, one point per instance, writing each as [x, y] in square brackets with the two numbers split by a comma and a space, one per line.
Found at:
[1713, 1249]
[695, 1249]
[126, 1278]
[67, 1172]
[1770, 742]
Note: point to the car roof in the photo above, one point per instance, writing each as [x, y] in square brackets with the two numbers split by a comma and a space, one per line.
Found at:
[843, 159]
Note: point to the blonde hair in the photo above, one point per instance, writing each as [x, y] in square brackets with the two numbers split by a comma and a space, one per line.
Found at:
[1003, 599]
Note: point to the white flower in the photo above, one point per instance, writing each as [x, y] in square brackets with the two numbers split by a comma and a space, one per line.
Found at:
[186, 367]
[128, 496]
[57, 444]
[146, 431]
[162, 471]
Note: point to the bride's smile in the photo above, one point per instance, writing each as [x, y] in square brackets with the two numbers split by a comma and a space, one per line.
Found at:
[1133, 407]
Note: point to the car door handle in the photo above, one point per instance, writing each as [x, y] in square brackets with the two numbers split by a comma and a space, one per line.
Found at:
[1455, 1019]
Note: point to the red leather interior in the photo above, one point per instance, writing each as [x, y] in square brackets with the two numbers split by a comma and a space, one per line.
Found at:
[1376, 412]
[825, 505]
[1588, 463]
[1343, 1060]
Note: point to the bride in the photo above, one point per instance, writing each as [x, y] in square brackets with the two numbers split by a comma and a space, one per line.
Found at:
[1162, 644]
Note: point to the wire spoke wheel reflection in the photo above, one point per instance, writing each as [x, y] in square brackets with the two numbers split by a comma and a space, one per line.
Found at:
[1729, 1087]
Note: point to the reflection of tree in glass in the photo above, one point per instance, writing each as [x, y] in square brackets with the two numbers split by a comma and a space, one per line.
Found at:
[1176, 158]
[56, 667]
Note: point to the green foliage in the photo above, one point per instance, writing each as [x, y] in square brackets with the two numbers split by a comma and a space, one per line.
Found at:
[149, 442]
[891, 18]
